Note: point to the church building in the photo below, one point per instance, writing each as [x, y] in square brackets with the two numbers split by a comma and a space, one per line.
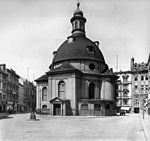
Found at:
[78, 82]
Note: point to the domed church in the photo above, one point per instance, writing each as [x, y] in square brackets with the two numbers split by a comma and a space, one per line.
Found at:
[79, 81]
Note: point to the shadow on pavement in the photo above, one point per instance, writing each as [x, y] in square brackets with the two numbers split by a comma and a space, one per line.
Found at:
[5, 117]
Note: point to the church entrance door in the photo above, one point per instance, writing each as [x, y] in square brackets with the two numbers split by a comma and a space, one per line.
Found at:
[57, 109]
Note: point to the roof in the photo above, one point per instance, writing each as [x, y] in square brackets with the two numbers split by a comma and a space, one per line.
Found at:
[64, 68]
[42, 78]
[78, 50]
[148, 59]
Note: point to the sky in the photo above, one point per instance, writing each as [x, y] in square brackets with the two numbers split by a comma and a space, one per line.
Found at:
[30, 30]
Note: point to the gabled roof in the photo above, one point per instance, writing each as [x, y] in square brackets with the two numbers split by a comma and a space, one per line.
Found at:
[42, 78]
[57, 99]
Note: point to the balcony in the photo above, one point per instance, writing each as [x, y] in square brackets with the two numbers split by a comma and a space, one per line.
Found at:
[126, 82]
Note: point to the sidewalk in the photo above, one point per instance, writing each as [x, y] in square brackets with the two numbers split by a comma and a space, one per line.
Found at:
[3, 115]
[146, 125]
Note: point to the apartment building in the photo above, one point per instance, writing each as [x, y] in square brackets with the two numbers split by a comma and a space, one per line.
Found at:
[123, 98]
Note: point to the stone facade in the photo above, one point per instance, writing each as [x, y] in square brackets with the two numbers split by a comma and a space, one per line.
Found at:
[3, 87]
[148, 101]
[124, 90]
[139, 85]
[16, 93]
[79, 81]
[12, 90]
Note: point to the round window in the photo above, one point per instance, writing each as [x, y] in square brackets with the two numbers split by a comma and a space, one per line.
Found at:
[92, 66]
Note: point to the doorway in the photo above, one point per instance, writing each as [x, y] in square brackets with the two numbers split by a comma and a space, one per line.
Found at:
[57, 110]
[136, 110]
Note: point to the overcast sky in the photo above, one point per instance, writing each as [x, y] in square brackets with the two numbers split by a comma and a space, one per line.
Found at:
[30, 30]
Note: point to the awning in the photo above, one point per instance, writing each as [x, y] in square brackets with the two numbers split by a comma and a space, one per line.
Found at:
[125, 108]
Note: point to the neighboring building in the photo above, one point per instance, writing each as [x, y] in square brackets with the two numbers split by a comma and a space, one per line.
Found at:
[148, 101]
[79, 81]
[12, 89]
[140, 85]
[29, 96]
[16, 93]
[124, 91]
[21, 95]
[3, 87]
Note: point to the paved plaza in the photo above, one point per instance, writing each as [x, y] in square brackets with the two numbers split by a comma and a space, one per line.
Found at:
[18, 127]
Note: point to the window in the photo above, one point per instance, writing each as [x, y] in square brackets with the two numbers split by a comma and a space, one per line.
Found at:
[97, 107]
[84, 107]
[136, 103]
[135, 87]
[136, 78]
[142, 78]
[91, 66]
[146, 78]
[44, 94]
[61, 89]
[142, 88]
[44, 107]
[90, 49]
[91, 91]
[125, 101]
[76, 24]
[81, 25]
[125, 77]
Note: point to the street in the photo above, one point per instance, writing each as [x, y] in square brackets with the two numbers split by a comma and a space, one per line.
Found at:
[18, 127]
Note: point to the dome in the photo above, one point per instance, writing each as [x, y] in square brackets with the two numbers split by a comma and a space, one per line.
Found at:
[78, 48]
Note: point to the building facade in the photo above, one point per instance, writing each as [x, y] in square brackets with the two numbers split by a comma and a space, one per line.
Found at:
[29, 95]
[79, 81]
[16, 94]
[3, 87]
[124, 91]
[12, 90]
[140, 85]
[148, 101]
[21, 107]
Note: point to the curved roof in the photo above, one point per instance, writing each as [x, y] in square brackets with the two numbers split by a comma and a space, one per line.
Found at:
[78, 49]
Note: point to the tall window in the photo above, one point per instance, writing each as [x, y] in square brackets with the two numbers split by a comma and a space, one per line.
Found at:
[76, 24]
[61, 89]
[136, 78]
[44, 94]
[142, 77]
[136, 103]
[91, 91]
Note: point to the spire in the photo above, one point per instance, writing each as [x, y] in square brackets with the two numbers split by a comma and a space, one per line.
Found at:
[78, 21]
[78, 4]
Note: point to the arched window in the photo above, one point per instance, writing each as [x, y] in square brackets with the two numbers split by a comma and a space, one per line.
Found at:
[84, 107]
[76, 24]
[91, 90]
[81, 25]
[97, 107]
[61, 89]
[44, 94]
[44, 107]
